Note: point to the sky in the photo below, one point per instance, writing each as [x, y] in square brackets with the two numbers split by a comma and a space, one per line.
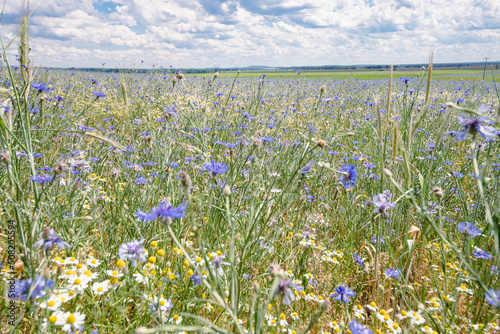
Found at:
[239, 33]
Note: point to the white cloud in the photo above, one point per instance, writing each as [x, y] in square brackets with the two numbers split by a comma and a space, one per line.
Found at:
[200, 33]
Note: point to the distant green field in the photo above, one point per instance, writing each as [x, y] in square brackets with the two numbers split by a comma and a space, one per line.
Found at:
[366, 75]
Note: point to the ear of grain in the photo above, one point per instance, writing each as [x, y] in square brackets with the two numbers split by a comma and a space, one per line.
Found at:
[123, 89]
[429, 77]
[426, 109]
[390, 91]
[394, 140]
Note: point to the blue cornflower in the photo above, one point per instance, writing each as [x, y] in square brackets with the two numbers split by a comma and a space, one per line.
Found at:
[33, 288]
[267, 139]
[49, 239]
[494, 270]
[216, 167]
[476, 126]
[469, 228]
[482, 254]
[494, 299]
[196, 279]
[406, 80]
[382, 203]
[348, 176]
[305, 170]
[376, 239]
[392, 273]
[285, 292]
[40, 87]
[132, 250]
[42, 178]
[343, 294]
[359, 260]
[98, 94]
[165, 212]
[141, 180]
[357, 328]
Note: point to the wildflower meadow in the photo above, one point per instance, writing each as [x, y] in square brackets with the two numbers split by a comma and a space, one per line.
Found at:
[153, 202]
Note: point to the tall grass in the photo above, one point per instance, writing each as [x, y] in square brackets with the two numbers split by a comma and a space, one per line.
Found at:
[280, 217]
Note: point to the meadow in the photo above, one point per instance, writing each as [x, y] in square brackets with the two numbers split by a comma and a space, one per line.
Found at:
[362, 74]
[161, 202]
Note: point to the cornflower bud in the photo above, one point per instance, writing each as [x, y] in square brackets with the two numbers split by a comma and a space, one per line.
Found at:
[322, 143]
[438, 192]
[186, 181]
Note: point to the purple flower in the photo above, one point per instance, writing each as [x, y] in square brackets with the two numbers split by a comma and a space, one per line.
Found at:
[406, 80]
[98, 94]
[476, 126]
[392, 273]
[164, 212]
[49, 239]
[482, 254]
[493, 297]
[305, 170]
[32, 288]
[359, 260]
[343, 293]
[348, 176]
[357, 328]
[285, 292]
[267, 139]
[217, 263]
[216, 167]
[376, 239]
[40, 87]
[132, 250]
[141, 180]
[382, 203]
[42, 179]
[469, 228]
[196, 279]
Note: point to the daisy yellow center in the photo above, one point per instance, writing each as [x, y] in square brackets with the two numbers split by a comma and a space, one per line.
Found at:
[52, 303]
[115, 273]
[113, 280]
[282, 316]
[52, 319]
[78, 281]
[100, 289]
[71, 319]
[93, 261]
